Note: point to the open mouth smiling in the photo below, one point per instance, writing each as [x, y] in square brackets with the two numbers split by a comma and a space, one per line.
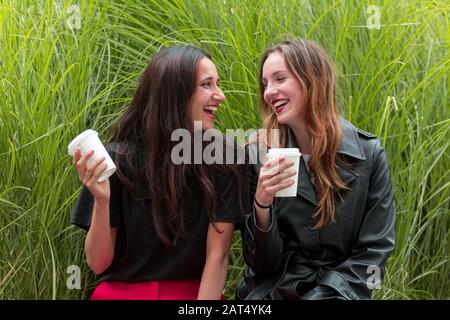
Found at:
[279, 104]
[210, 110]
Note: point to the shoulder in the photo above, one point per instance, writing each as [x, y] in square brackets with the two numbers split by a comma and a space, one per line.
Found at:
[364, 134]
[358, 142]
[347, 126]
[372, 146]
[370, 142]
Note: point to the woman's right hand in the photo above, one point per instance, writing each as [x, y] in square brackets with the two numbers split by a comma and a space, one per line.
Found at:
[272, 178]
[89, 175]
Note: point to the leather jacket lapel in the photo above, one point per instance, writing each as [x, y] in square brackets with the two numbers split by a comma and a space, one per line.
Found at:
[347, 174]
[304, 187]
[350, 147]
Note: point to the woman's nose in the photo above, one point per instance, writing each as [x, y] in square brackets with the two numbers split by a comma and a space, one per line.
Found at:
[270, 91]
[219, 95]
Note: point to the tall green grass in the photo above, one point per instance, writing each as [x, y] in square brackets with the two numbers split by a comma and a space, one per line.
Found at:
[58, 81]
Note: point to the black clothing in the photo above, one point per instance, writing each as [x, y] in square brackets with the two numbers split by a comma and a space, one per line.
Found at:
[292, 260]
[139, 253]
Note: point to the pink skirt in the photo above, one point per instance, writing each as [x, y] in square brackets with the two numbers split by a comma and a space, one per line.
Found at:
[149, 290]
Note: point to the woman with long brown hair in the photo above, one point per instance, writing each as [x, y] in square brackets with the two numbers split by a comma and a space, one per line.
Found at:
[333, 239]
[161, 229]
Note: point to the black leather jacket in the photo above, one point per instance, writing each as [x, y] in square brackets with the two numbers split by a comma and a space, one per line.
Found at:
[344, 260]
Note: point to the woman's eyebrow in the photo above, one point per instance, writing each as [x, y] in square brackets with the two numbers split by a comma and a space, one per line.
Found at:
[209, 78]
[278, 71]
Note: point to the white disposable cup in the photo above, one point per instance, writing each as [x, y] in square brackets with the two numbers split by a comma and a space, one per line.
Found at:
[291, 154]
[89, 140]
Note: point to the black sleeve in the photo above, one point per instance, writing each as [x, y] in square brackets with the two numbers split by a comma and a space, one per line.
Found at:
[355, 277]
[82, 212]
[232, 192]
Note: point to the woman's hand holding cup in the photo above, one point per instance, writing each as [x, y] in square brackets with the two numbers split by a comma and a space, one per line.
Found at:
[273, 178]
[89, 174]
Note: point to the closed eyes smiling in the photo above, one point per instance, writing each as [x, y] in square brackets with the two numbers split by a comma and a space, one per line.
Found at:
[279, 80]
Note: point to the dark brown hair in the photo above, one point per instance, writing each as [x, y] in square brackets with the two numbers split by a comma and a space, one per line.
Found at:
[311, 66]
[159, 106]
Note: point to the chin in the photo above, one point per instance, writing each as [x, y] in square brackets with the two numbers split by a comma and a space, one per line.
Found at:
[207, 125]
[288, 118]
[283, 119]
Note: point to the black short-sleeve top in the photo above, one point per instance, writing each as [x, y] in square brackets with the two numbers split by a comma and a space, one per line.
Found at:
[139, 253]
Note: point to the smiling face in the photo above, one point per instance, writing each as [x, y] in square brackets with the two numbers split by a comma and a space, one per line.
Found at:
[207, 95]
[282, 89]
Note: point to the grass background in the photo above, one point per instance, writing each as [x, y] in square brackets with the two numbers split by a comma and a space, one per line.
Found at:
[70, 65]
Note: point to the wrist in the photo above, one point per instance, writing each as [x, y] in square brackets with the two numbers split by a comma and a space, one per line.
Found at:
[101, 203]
[262, 205]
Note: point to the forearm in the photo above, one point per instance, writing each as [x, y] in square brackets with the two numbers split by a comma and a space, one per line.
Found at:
[263, 248]
[99, 245]
[262, 218]
[213, 278]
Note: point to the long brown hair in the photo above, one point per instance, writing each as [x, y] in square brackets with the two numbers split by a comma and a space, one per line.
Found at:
[312, 67]
[143, 134]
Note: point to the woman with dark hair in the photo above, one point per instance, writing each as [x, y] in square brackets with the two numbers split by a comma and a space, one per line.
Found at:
[333, 239]
[158, 229]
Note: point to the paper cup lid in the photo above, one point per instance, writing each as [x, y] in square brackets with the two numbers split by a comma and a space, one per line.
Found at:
[80, 138]
[284, 152]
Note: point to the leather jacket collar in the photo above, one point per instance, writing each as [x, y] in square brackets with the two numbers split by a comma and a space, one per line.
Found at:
[350, 146]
